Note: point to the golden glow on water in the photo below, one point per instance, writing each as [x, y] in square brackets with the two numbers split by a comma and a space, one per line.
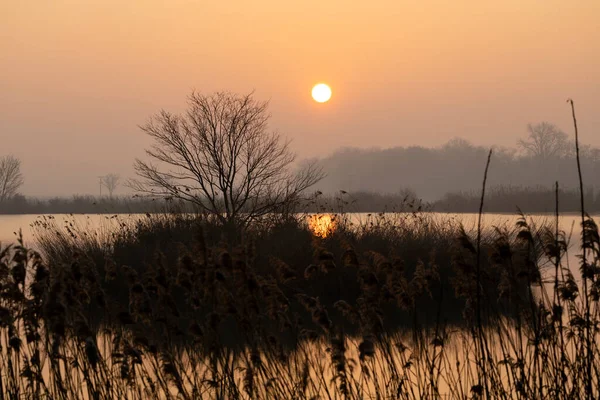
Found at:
[322, 225]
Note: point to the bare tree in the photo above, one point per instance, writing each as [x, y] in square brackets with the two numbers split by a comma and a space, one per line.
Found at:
[544, 141]
[110, 182]
[221, 157]
[457, 143]
[11, 178]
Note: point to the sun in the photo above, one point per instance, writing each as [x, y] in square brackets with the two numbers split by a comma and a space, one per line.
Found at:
[321, 93]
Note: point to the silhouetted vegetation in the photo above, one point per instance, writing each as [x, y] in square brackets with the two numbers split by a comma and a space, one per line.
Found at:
[509, 199]
[163, 308]
[11, 178]
[363, 202]
[454, 168]
[83, 205]
[221, 157]
[501, 199]
[437, 179]
[111, 182]
[408, 241]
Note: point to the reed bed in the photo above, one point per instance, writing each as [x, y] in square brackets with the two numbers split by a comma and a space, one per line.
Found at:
[365, 315]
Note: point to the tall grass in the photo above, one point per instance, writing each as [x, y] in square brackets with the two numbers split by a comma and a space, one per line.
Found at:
[318, 266]
[204, 320]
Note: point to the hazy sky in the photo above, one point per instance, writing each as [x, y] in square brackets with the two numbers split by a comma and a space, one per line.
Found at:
[78, 76]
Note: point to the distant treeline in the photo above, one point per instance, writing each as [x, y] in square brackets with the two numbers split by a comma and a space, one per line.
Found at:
[316, 203]
[503, 199]
[81, 205]
[500, 199]
[456, 167]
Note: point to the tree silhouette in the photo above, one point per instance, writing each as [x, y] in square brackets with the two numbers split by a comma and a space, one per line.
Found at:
[220, 156]
[11, 178]
[545, 141]
[110, 182]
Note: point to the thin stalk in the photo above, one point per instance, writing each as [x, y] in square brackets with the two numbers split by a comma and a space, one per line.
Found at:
[479, 322]
[589, 352]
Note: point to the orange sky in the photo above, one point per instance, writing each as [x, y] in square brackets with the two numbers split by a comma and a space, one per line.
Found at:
[78, 76]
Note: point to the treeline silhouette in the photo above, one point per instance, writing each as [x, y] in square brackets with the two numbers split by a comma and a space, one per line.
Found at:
[455, 167]
[407, 179]
[404, 201]
[501, 199]
[80, 205]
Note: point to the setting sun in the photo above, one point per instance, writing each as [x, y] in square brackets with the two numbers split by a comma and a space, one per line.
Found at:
[321, 93]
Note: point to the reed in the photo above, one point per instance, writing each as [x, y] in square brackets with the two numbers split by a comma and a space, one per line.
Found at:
[350, 325]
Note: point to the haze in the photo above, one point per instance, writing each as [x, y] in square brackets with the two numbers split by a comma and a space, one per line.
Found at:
[78, 77]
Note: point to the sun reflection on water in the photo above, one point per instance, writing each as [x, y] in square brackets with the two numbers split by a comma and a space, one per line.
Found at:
[322, 225]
